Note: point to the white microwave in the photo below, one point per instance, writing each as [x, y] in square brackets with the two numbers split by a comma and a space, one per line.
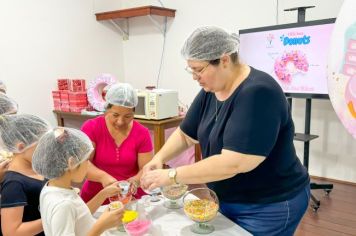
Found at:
[156, 104]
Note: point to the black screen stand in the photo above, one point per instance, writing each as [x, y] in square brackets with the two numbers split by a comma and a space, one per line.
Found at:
[306, 137]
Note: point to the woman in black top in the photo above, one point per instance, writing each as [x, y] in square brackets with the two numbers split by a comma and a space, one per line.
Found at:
[243, 124]
[21, 187]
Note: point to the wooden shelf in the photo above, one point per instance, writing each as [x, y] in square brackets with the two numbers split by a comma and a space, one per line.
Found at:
[135, 12]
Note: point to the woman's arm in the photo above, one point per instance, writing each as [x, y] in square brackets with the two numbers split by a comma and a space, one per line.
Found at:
[218, 167]
[97, 175]
[214, 168]
[175, 144]
[143, 159]
[12, 225]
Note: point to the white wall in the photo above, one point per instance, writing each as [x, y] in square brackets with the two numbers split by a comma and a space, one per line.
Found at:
[333, 155]
[44, 40]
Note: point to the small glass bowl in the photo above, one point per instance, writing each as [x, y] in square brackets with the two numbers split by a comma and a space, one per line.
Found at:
[173, 193]
[154, 198]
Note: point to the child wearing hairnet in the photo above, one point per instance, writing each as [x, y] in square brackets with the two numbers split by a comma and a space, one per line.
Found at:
[21, 186]
[62, 157]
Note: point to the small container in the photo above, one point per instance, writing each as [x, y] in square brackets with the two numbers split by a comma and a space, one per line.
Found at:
[125, 187]
[115, 205]
[125, 195]
[138, 227]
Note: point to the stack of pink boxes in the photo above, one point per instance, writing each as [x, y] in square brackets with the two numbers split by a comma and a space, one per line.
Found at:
[350, 59]
[70, 96]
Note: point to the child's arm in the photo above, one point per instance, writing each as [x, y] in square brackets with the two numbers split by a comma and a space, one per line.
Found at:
[12, 225]
[107, 220]
[100, 197]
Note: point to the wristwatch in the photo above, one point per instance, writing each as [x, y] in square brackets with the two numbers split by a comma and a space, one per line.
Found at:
[172, 174]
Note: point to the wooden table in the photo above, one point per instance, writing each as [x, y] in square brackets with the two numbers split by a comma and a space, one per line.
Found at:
[158, 127]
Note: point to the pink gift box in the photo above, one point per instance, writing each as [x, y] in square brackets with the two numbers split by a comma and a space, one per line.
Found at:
[77, 95]
[352, 45]
[78, 85]
[78, 104]
[63, 84]
[349, 69]
[350, 58]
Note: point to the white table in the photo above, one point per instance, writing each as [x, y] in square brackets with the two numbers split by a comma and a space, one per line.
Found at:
[173, 222]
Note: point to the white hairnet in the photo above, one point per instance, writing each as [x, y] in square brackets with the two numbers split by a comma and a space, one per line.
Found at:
[56, 147]
[2, 86]
[7, 105]
[209, 43]
[121, 94]
[23, 128]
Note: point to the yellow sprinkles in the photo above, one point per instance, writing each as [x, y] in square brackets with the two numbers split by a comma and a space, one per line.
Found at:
[201, 210]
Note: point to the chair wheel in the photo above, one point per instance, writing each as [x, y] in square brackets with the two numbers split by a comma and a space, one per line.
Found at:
[327, 191]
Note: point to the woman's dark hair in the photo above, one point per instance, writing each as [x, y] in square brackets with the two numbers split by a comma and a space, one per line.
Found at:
[234, 58]
[109, 105]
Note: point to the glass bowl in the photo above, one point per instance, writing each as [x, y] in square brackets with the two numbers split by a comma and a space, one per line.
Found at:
[201, 205]
[173, 193]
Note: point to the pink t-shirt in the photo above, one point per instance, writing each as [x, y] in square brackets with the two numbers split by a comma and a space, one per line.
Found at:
[118, 161]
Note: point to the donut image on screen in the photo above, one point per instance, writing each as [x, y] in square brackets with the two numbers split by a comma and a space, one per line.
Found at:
[97, 90]
[289, 64]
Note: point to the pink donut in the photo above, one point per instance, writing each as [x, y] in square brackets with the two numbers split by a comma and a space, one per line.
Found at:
[350, 96]
[96, 90]
[289, 64]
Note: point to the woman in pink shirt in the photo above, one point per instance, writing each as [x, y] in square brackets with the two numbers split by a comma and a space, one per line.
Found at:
[122, 145]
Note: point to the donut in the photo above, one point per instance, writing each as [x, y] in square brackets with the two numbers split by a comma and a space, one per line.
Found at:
[96, 90]
[289, 64]
[350, 96]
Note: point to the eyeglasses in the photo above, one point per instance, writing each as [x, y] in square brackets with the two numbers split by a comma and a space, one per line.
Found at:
[196, 73]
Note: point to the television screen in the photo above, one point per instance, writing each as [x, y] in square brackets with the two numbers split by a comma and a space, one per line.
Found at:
[295, 55]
